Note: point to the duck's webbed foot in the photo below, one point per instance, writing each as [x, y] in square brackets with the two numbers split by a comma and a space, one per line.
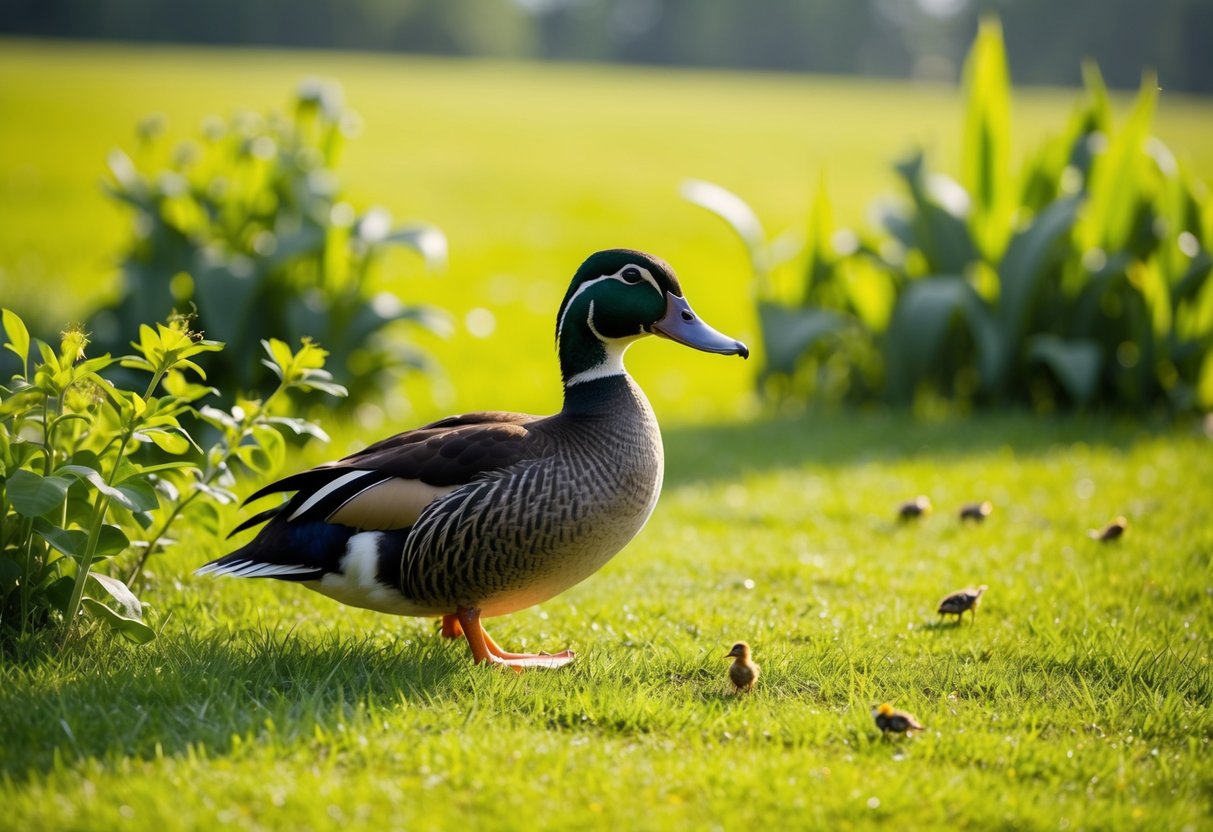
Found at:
[485, 650]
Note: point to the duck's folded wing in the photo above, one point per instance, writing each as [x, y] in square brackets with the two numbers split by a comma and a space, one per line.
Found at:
[388, 484]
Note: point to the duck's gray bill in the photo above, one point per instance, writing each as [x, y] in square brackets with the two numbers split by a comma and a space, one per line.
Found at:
[681, 324]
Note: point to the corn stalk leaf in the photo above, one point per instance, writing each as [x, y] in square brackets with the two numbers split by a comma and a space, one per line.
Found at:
[986, 152]
[789, 332]
[1076, 363]
[1116, 182]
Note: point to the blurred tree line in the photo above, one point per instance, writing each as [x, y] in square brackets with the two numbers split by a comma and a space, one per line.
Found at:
[1046, 39]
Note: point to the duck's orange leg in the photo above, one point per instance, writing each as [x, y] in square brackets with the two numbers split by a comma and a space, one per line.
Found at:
[451, 627]
[485, 650]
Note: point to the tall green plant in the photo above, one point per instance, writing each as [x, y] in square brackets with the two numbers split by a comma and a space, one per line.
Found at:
[248, 227]
[77, 490]
[1081, 282]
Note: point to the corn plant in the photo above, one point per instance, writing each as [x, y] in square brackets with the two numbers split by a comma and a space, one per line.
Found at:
[1083, 282]
[248, 227]
[78, 489]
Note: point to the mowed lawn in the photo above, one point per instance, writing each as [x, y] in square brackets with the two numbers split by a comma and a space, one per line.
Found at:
[1079, 698]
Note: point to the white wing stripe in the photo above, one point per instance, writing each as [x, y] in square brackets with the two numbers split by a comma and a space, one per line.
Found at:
[329, 489]
[252, 569]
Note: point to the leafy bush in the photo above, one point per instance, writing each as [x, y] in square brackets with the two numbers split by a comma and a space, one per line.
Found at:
[1081, 282]
[76, 490]
[247, 227]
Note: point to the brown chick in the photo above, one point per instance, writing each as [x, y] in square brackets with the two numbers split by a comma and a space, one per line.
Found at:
[889, 719]
[977, 512]
[962, 601]
[1110, 532]
[913, 509]
[743, 672]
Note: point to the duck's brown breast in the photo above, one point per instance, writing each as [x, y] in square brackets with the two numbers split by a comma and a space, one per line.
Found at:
[522, 535]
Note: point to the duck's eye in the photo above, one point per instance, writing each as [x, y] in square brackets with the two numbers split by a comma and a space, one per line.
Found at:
[631, 275]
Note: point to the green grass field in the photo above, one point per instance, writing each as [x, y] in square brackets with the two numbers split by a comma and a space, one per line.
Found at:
[1080, 698]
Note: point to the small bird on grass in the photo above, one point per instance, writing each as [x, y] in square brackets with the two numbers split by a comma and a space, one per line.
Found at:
[1110, 532]
[743, 672]
[889, 719]
[977, 512]
[962, 601]
[913, 509]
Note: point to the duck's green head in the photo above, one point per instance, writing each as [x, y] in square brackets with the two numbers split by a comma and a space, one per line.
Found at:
[618, 296]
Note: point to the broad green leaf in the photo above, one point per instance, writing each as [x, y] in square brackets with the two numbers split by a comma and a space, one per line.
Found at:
[18, 336]
[1204, 385]
[139, 495]
[739, 216]
[787, 333]
[111, 541]
[937, 225]
[70, 542]
[986, 152]
[10, 573]
[32, 495]
[1148, 280]
[272, 444]
[1076, 363]
[920, 326]
[121, 593]
[1029, 256]
[166, 440]
[426, 240]
[300, 426]
[1116, 176]
[133, 494]
[281, 360]
[134, 631]
[819, 255]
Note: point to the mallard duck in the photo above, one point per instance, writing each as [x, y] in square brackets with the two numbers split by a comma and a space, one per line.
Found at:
[1110, 532]
[913, 509]
[977, 512]
[962, 601]
[743, 672]
[889, 719]
[485, 514]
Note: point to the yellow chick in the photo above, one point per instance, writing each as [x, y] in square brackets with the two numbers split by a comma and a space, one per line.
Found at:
[962, 601]
[889, 719]
[1110, 532]
[977, 512]
[913, 509]
[743, 672]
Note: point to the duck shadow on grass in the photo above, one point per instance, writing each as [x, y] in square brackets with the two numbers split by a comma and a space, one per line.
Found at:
[721, 451]
[191, 691]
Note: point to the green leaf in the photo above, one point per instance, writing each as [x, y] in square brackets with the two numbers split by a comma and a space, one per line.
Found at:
[739, 216]
[300, 426]
[111, 541]
[121, 593]
[32, 495]
[168, 441]
[1116, 180]
[272, 444]
[1076, 363]
[133, 493]
[10, 573]
[426, 240]
[937, 225]
[132, 630]
[70, 542]
[986, 152]
[1026, 263]
[139, 495]
[18, 336]
[787, 333]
